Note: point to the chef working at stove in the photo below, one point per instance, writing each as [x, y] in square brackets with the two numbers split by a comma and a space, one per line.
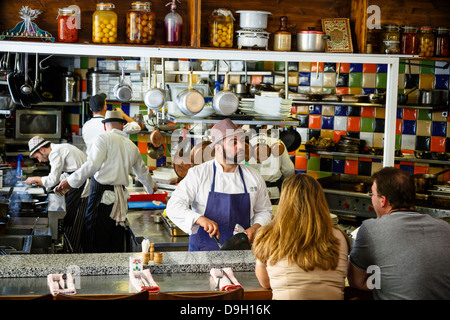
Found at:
[94, 126]
[64, 159]
[220, 193]
[111, 159]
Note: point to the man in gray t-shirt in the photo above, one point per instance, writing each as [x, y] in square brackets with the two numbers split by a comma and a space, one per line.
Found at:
[402, 254]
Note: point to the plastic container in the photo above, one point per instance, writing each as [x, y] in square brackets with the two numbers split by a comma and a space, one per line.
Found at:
[390, 39]
[141, 23]
[442, 40]
[426, 42]
[409, 43]
[67, 25]
[221, 29]
[104, 24]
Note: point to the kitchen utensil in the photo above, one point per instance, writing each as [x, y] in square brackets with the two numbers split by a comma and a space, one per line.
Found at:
[92, 81]
[311, 40]
[291, 139]
[237, 242]
[190, 101]
[225, 102]
[154, 98]
[64, 276]
[26, 89]
[182, 159]
[228, 277]
[56, 279]
[202, 152]
[123, 91]
[424, 182]
[277, 149]
[402, 98]
[253, 39]
[217, 241]
[219, 276]
[155, 152]
[377, 97]
[70, 87]
[156, 138]
[14, 90]
[251, 19]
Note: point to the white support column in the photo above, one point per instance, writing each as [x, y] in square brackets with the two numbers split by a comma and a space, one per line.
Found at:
[391, 113]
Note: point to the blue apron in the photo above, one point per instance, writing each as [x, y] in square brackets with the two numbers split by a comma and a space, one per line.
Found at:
[226, 210]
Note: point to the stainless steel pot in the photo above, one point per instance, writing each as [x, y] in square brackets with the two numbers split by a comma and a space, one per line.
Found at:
[92, 81]
[190, 101]
[312, 41]
[123, 91]
[154, 98]
[70, 87]
[225, 102]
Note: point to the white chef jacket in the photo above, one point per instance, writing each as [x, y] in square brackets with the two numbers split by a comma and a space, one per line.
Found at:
[63, 157]
[273, 168]
[95, 127]
[111, 159]
[188, 202]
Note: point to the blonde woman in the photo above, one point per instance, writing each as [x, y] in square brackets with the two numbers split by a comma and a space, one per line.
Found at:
[300, 255]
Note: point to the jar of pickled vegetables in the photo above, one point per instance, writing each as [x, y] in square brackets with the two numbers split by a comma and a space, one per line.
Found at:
[409, 40]
[390, 39]
[67, 25]
[442, 40]
[141, 23]
[426, 42]
[221, 28]
[104, 24]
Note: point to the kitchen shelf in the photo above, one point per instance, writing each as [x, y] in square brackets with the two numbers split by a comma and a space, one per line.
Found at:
[255, 121]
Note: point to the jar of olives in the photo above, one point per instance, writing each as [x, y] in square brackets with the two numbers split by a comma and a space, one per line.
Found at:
[390, 39]
[409, 40]
[221, 28]
[426, 42]
[104, 24]
[67, 25]
[442, 40]
[141, 23]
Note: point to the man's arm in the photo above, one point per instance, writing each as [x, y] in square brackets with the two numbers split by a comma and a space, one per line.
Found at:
[357, 278]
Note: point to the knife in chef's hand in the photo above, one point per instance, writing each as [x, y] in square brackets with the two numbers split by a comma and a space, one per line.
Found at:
[226, 275]
[217, 241]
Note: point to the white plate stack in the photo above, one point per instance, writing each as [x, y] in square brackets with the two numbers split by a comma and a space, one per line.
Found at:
[272, 107]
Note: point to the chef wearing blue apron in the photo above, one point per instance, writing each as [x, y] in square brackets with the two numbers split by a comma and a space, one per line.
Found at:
[217, 195]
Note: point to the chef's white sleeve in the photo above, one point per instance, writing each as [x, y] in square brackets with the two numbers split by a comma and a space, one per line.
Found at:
[132, 128]
[56, 164]
[143, 174]
[178, 206]
[262, 208]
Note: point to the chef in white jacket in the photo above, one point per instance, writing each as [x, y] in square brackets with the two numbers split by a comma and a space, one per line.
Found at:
[111, 159]
[94, 126]
[220, 193]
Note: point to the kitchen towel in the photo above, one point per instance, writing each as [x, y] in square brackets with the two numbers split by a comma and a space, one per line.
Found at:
[56, 284]
[143, 280]
[228, 282]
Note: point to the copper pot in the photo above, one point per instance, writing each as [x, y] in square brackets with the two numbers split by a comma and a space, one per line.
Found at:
[261, 152]
[156, 138]
[424, 182]
[202, 152]
[277, 149]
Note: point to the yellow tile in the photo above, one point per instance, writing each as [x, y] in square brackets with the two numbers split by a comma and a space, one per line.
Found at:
[354, 90]
[401, 81]
[314, 174]
[423, 128]
[316, 90]
[378, 139]
[304, 67]
[327, 133]
[143, 138]
[426, 81]
[437, 116]
[269, 65]
[380, 113]
[327, 110]
[369, 80]
[303, 109]
[293, 78]
[376, 166]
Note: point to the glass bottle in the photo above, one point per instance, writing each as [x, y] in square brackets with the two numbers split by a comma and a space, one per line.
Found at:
[442, 40]
[282, 37]
[173, 25]
[390, 39]
[409, 40]
[426, 42]
[141, 23]
[104, 24]
[67, 25]
[221, 28]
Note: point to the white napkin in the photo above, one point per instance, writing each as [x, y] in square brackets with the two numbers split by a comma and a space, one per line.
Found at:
[143, 280]
[54, 279]
[228, 282]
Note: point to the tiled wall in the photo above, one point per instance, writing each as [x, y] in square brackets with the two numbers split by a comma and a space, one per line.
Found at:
[415, 129]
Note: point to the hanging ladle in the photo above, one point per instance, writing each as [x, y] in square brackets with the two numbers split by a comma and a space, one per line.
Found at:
[26, 89]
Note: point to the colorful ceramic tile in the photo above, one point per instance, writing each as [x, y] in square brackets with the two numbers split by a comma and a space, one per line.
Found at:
[338, 134]
[380, 113]
[304, 78]
[328, 90]
[327, 122]
[399, 113]
[368, 80]
[423, 128]
[315, 109]
[378, 125]
[441, 82]
[426, 81]
[327, 133]
[344, 68]
[271, 79]
[438, 129]
[382, 68]
[280, 66]
[365, 168]
[340, 110]
[367, 112]
[424, 114]
[411, 81]
[303, 120]
[353, 111]
[423, 143]
[426, 67]
[315, 121]
[301, 162]
[401, 81]
[421, 169]
[316, 90]
[356, 67]
[353, 124]
[398, 141]
[441, 68]
[410, 114]
[367, 124]
[401, 66]
[407, 168]
[409, 127]
[340, 123]
[367, 137]
[353, 134]
[304, 67]
[369, 67]
[329, 67]
[313, 163]
[327, 110]
[316, 79]
[256, 79]
[343, 90]
[351, 167]
[305, 90]
[376, 166]
[355, 79]
[398, 126]
[408, 142]
[437, 144]
[367, 91]
[380, 80]
[437, 116]
[329, 79]
[293, 79]
[326, 164]
[303, 109]
[314, 66]
[338, 165]
[355, 91]
[292, 66]
[378, 140]
[342, 80]
[304, 133]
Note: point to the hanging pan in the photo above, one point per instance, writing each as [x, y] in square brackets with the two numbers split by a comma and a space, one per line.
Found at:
[225, 102]
[154, 97]
[190, 101]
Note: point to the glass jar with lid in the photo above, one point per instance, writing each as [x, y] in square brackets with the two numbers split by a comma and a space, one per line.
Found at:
[141, 23]
[390, 39]
[221, 28]
[68, 25]
[409, 43]
[426, 42]
[442, 40]
[104, 23]
[282, 38]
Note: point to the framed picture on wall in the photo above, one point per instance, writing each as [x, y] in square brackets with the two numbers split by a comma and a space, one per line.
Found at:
[340, 37]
